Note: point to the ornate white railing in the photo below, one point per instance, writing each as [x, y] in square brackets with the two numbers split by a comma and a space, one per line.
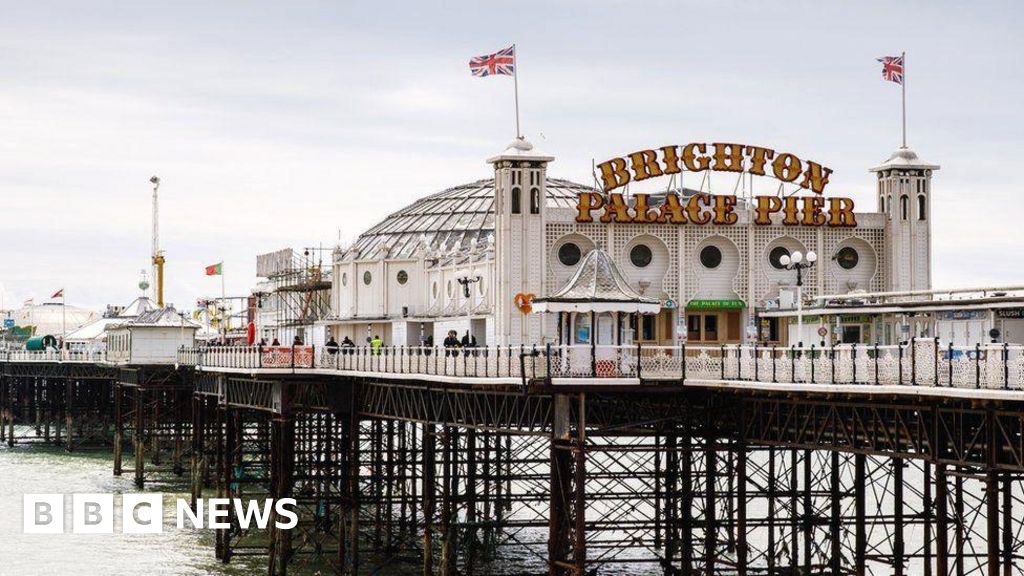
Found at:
[83, 356]
[923, 362]
[477, 362]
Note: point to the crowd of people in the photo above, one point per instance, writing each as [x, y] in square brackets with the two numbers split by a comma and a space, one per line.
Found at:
[452, 344]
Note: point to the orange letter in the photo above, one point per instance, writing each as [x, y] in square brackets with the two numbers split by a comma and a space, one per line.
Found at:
[816, 177]
[812, 211]
[671, 210]
[786, 167]
[724, 213]
[588, 201]
[693, 208]
[641, 214]
[766, 206]
[615, 209]
[758, 157]
[690, 159]
[670, 157]
[789, 209]
[645, 165]
[613, 173]
[728, 157]
[841, 212]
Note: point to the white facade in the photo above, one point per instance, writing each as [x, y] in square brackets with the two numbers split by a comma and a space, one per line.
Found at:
[517, 236]
[904, 197]
[152, 338]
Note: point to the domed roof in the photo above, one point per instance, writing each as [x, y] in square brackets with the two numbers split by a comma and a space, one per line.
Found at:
[452, 218]
[53, 318]
[904, 158]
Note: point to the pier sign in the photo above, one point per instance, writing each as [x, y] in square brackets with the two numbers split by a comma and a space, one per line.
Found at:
[717, 157]
[716, 209]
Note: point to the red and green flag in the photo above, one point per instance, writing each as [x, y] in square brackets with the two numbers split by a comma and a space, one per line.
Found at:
[215, 269]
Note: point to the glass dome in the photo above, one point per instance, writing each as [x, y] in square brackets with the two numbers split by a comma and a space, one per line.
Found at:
[453, 218]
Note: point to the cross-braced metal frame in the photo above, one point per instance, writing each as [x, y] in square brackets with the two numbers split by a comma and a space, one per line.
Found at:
[507, 479]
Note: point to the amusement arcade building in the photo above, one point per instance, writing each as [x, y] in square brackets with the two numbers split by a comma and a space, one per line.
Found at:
[503, 259]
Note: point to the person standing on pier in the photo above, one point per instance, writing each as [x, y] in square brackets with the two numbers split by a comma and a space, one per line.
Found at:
[451, 344]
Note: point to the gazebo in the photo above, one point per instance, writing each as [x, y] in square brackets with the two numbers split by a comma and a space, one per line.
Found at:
[592, 305]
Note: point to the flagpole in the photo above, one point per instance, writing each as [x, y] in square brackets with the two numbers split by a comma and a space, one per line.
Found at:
[223, 304]
[515, 82]
[63, 317]
[903, 87]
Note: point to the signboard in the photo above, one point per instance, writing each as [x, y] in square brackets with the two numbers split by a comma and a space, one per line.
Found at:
[960, 315]
[725, 157]
[720, 210]
[717, 209]
[733, 304]
[8, 322]
[1010, 313]
[670, 303]
[822, 331]
[274, 263]
[850, 319]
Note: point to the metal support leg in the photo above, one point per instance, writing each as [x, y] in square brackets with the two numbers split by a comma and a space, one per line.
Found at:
[560, 483]
[941, 521]
[859, 494]
[429, 492]
[899, 561]
[992, 521]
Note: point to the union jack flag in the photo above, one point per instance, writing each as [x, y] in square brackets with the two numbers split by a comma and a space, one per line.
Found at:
[503, 62]
[892, 68]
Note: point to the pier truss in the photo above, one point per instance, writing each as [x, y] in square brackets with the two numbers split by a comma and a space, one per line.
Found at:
[152, 419]
[442, 477]
[67, 405]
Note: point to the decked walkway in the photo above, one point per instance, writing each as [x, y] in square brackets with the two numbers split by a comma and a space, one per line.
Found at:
[921, 367]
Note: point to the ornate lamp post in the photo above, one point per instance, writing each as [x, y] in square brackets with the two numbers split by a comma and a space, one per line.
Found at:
[796, 262]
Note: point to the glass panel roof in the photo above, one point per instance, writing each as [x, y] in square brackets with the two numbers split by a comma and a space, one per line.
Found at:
[452, 216]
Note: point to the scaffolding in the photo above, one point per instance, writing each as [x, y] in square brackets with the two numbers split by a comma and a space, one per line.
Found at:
[297, 288]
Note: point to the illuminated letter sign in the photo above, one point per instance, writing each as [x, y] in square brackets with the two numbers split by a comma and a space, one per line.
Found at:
[719, 210]
[716, 209]
[717, 157]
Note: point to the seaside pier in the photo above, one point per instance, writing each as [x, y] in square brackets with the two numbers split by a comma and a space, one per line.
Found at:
[509, 460]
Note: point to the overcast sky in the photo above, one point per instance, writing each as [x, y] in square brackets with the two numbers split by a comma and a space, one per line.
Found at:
[276, 124]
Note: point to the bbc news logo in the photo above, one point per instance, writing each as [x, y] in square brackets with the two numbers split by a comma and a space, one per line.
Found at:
[144, 513]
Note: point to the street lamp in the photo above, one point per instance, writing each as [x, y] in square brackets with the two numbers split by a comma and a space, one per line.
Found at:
[796, 262]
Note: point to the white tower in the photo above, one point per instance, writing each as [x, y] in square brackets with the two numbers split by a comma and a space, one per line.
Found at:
[904, 195]
[520, 189]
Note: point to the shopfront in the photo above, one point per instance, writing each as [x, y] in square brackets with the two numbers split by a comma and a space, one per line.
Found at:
[714, 321]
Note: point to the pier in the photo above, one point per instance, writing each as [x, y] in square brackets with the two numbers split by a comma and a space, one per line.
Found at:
[904, 459]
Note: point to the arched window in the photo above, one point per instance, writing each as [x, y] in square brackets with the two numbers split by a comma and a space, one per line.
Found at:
[534, 201]
[890, 207]
[904, 206]
[517, 207]
[921, 207]
[881, 204]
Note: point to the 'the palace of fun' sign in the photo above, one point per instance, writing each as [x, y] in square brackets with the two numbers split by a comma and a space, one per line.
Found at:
[813, 210]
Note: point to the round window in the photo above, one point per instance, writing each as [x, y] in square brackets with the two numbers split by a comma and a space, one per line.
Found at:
[403, 276]
[640, 255]
[367, 277]
[344, 279]
[847, 258]
[569, 254]
[775, 257]
[710, 256]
